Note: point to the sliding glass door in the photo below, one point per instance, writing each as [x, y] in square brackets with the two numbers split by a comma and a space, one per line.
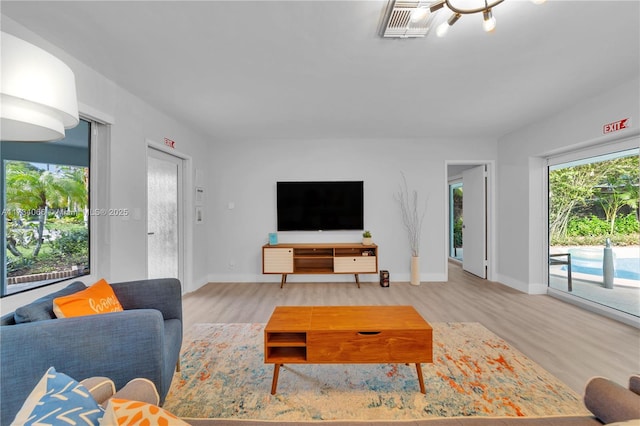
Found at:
[594, 250]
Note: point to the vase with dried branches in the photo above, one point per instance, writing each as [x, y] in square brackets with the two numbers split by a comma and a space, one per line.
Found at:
[412, 218]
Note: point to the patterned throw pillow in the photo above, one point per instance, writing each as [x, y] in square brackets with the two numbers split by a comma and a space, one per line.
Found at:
[123, 412]
[97, 299]
[58, 399]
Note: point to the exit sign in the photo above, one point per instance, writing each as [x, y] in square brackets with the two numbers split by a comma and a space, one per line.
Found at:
[615, 126]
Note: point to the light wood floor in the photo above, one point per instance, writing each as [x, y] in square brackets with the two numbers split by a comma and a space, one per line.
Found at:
[571, 343]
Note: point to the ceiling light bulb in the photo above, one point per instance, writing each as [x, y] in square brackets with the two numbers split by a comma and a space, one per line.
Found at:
[442, 29]
[419, 14]
[489, 23]
[538, 1]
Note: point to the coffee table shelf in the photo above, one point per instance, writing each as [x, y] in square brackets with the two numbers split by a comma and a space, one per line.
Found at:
[288, 355]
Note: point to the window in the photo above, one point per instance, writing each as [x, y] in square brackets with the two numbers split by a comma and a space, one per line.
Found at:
[594, 251]
[45, 210]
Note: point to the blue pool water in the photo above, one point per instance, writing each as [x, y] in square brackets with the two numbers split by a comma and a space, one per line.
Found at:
[589, 261]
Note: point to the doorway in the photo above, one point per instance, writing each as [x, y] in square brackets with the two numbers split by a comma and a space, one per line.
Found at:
[165, 215]
[469, 216]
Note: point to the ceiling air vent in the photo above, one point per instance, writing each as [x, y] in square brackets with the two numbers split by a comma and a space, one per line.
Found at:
[397, 20]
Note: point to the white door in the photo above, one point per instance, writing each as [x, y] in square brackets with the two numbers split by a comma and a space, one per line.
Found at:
[164, 215]
[474, 229]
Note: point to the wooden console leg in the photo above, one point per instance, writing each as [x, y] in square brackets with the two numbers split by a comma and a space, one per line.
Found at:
[357, 280]
[420, 379]
[274, 382]
[283, 280]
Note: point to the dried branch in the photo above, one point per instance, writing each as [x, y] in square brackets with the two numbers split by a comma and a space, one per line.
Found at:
[412, 218]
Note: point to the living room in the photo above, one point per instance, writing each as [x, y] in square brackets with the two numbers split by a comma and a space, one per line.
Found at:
[238, 170]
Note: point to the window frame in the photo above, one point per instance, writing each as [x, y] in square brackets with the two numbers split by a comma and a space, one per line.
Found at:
[99, 139]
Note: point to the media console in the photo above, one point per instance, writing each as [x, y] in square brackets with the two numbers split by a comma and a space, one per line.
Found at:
[321, 258]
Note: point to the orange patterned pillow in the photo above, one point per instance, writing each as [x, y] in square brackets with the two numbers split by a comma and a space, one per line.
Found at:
[97, 299]
[123, 412]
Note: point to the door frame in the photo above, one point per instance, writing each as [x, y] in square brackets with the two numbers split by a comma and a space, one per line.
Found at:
[490, 219]
[186, 202]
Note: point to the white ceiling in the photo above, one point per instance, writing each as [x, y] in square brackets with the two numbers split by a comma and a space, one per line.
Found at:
[318, 69]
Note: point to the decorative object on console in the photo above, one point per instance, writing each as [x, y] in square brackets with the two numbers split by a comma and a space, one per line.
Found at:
[366, 238]
[273, 239]
[412, 219]
[38, 93]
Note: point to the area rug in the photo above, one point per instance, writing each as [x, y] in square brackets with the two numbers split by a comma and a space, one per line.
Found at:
[474, 373]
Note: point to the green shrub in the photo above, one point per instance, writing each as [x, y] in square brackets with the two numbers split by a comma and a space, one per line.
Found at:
[72, 242]
[596, 240]
[586, 226]
[627, 225]
[593, 225]
[457, 233]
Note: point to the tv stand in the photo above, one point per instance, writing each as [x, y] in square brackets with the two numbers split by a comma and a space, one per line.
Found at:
[322, 258]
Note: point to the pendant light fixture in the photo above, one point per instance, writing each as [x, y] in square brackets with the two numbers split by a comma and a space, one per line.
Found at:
[37, 93]
[488, 23]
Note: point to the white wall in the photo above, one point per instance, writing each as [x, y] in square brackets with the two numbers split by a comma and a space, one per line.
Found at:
[227, 246]
[521, 217]
[133, 123]
[245, 174]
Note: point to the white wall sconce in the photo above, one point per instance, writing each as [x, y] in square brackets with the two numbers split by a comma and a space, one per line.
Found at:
[38, 93]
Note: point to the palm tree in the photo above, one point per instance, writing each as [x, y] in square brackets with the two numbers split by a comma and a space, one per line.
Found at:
[31, 189]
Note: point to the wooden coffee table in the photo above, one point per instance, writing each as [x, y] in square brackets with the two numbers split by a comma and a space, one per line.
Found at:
[347, 335]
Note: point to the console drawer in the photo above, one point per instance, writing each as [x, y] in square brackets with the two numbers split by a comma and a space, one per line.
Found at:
[355, 264]
[411, 346]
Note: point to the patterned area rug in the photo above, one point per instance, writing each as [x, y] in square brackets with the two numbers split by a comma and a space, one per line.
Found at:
[474, 373]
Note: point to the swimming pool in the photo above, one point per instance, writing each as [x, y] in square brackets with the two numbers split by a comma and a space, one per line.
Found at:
[589, 261]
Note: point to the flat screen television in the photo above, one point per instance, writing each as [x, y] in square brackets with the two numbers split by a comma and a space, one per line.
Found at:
[320, 206]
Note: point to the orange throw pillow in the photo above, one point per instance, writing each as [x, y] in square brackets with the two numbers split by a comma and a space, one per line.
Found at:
[97, 299]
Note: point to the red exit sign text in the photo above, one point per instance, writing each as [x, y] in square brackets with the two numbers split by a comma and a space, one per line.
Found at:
[615, 126]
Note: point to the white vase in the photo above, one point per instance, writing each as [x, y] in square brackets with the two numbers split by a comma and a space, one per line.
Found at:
[366, 241]
[415, 270]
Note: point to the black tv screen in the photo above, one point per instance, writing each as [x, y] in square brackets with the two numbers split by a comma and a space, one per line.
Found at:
[320, 206]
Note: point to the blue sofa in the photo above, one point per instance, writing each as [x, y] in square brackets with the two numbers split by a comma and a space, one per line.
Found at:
[144, 340]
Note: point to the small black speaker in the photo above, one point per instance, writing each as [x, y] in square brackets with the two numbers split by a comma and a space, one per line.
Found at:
[384, 278]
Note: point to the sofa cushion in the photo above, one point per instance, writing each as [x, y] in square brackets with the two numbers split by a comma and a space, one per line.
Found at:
[97, 299]
[139, 389]
[42, 308]
[125, 412]
[610, 402]
[101, 388]
[634, 384]
[59, 399]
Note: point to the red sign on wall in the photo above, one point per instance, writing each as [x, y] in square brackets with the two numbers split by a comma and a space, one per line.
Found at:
[615, 126]
[168, 142]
